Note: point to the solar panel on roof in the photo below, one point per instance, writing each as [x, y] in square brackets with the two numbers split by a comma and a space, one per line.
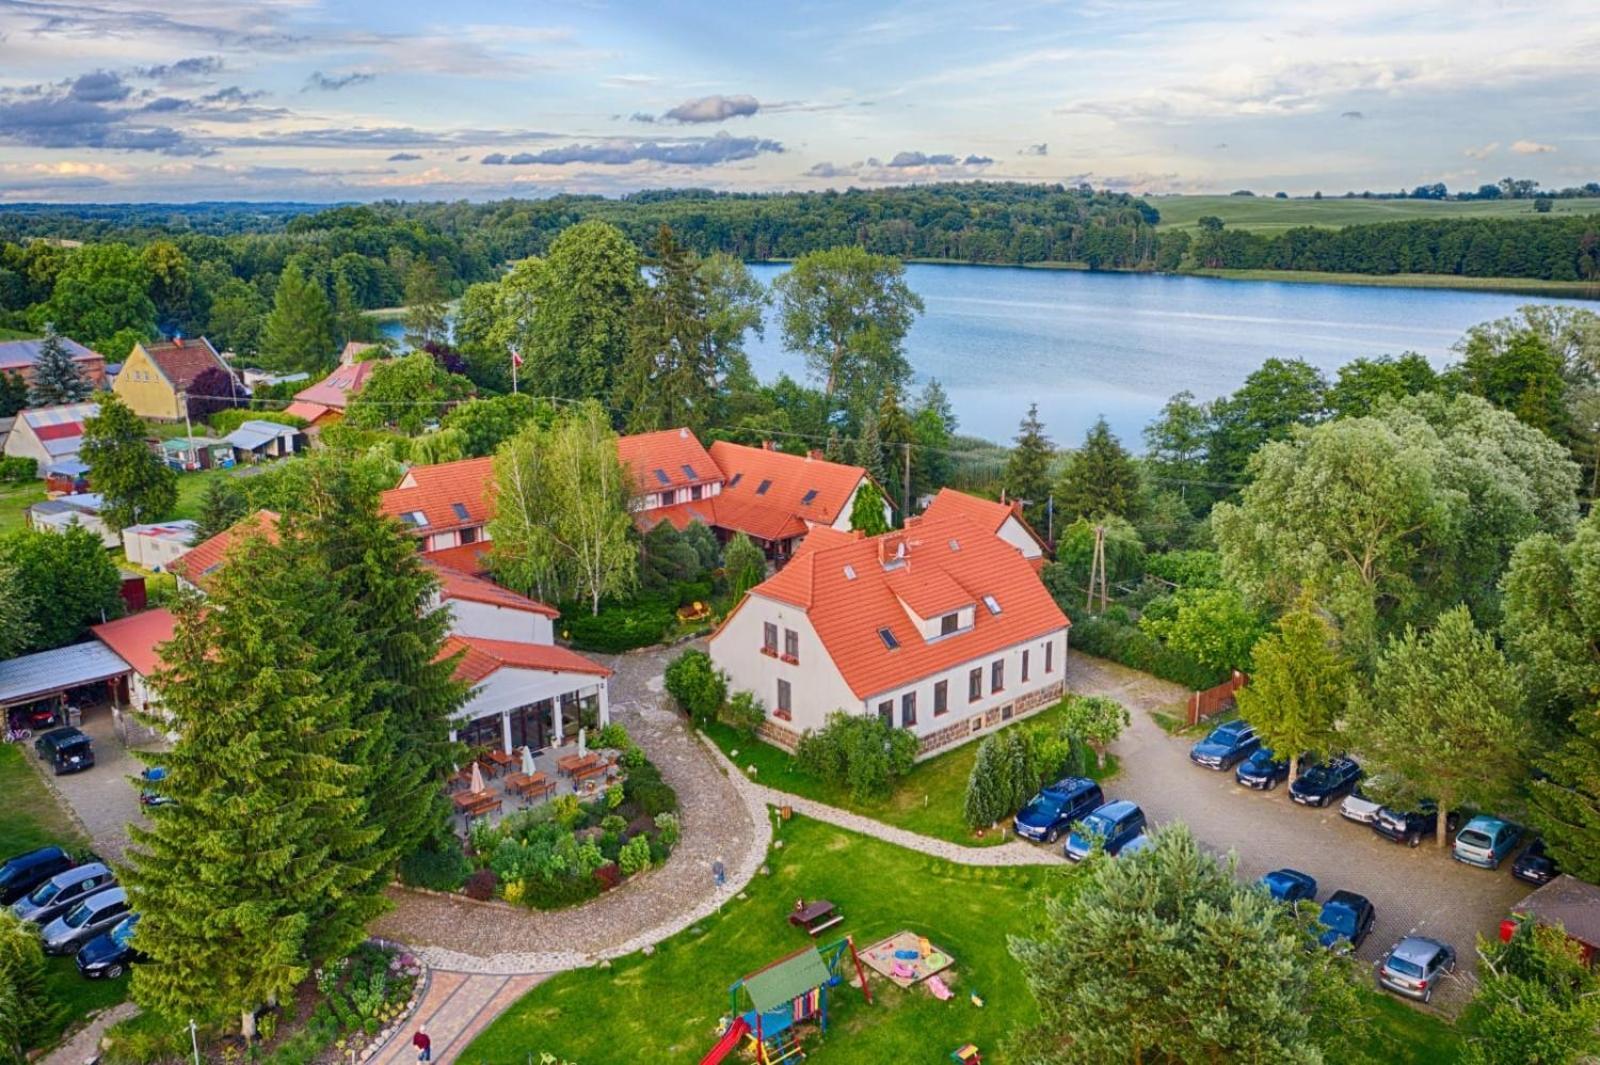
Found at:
[461, 511]
[661, 475]
[688, 471]
[806, 499]
[761, 489]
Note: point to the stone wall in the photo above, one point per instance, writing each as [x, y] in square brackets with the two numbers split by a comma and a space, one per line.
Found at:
[777, 735]
[959, 732]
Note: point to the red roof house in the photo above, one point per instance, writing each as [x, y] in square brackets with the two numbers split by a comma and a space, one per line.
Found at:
[324, 403]
[196, 566]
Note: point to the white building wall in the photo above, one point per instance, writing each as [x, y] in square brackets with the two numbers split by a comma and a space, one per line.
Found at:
[509, 688]
[489, 622]
[960, 709]
[842, 522]
[816, 687]
[151, 552]
[441, 541]
[1013, 533]
[22, 443]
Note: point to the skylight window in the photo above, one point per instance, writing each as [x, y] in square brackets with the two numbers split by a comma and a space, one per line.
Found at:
[992, 603]
[461, 511]
[955, 545]
[849, 573]
[416, 518]
[661, 475]
[688, 471]
[889, 642]
[806, 499]
[761, 489]
[735, 479]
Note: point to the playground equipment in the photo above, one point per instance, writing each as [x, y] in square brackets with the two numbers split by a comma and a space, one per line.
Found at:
[782, 995]
[906, 958]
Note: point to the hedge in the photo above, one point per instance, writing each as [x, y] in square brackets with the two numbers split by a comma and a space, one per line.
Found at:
[1125, 643]
[618, 627]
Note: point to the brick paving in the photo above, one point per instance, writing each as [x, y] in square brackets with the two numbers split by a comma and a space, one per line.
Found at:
[455, 1009]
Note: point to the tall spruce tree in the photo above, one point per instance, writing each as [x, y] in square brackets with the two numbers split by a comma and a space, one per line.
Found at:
[1566, 801]
[135, 483]
[298, 334]
[1027, 474]
[670, 374]
[241, 882]
[27, 1010]
[1099, 478]
[13, 394]
[57, 378]
[866, 450]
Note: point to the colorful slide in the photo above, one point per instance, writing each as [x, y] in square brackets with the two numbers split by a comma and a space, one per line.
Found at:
[728, 1043]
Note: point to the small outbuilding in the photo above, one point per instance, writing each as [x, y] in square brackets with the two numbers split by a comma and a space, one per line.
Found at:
[186, 453]
[257, 441]
[67, 477]
[57, 515]
[154, 546]
[1570, 903]
[50, 434]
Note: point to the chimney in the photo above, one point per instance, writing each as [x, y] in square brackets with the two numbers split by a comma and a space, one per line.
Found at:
[767, 445]
[814, 453]
[177, 340]
[683, 434]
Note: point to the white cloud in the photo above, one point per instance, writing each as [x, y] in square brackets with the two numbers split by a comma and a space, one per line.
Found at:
[1483, 151]
[1531, 148]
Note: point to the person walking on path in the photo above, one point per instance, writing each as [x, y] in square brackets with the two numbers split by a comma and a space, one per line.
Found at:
[423, 1044]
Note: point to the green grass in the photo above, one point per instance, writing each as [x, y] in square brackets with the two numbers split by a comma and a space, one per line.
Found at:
[1405, 1035]
[16, 334]
[1523, 285]
[192, 490]
[34, 819]
[927, 800]
[1263, 214]
[15, 499]
[665, 1007]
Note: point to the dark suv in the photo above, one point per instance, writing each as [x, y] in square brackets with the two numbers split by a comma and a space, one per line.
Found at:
[1053, 811]
[1227, 745]
[1346, 919]
[22, 874]
[1413, 826]
[1263, 770]
[67, 750]
[1325, 781]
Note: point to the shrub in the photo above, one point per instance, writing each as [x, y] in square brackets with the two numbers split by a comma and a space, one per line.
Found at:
[566, 810]
[618, 627]
[744, 712]
[608, 876]
[614, 796]
[1187, 569]
[633, 758]
[1126, 644]
[224, 422]
[646, 790]
[635, 856]
[144, 1039]
[667, 829]
[699, 687]
[865, 754]
[15, 469]
[1004, 777]
[693, 592]
[560, 892]
[613, 737]
[481, 884]
[613, 825]
[437, 867]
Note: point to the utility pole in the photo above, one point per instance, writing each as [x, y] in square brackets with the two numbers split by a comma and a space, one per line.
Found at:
[1097, 570]
[905, 486]
[188, 429]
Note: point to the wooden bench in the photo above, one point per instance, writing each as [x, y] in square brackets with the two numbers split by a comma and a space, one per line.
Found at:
[530, 786]
[816, 916]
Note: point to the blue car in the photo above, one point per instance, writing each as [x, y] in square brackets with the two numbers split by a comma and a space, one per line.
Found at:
[1262, 770]
[1052, 811]
[1346, 919]
[1485, 841]
[1290, 885]
[1226, 746]
[1115, 825]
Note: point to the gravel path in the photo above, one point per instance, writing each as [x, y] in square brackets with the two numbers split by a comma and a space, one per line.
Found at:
[85, 1042]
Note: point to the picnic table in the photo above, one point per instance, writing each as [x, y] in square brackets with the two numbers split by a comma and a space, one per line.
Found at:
[815, 916]
[587, 771]
[572, 764]
[530, 785]
[475, 803]
[502, 760]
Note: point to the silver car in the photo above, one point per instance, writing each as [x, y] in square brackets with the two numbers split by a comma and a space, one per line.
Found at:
[1358, 807]
[57, 895]
[95, 914]
[1414, 967]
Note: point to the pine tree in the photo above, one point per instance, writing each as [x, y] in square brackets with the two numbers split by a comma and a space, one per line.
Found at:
[669, 376]
[833, 450]
[57, 379]
[1027, 474]
[1566, 802]
[745, 565]
[13, 394]
[298, 334]
[933, 426]
[235, 880]
[988, 785]
[426, 319]
[866, 513]
[348, 321]
[27, 1009]
[1301, 687]
[895, 433]
[867, 448]
[1099, 478]
[135, 483]
[223, 504]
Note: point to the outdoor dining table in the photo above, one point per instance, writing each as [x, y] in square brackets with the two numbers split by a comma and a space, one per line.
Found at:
[527, 786]
[474, 803]
[594, 769]
[503, 760]
[572, 764]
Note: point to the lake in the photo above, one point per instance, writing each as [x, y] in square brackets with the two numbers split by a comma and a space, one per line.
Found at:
[1084, 344]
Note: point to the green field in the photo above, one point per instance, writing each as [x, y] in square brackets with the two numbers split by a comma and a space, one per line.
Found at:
[34, 819]
[926, 800]
[1266, 215]
[1522, 285]
[665, 1007]
[16, 498]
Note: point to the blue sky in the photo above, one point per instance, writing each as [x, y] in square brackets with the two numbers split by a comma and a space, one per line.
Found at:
[108, 100]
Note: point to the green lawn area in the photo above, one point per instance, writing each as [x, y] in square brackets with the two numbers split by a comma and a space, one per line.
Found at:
[927, 800]
[34, 819]
[1265, 214]
[192, 490]
[666, 1007]
[16, 334]
[15, 499]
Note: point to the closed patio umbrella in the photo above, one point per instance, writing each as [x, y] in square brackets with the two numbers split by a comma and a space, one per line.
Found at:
[583, 742]
[527, 760]
[477, 778]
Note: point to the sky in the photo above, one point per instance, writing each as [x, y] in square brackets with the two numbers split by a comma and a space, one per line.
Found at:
[313, 100]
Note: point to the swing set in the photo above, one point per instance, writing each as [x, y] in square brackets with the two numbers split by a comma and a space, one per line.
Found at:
[781, 995]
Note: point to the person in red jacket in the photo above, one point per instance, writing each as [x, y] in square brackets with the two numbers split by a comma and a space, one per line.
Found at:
[423, 1044]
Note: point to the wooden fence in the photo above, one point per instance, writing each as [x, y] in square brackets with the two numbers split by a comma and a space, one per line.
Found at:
[1215, 700]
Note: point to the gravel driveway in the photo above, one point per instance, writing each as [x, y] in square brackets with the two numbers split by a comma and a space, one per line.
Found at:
[103, 799]
[1417, 890]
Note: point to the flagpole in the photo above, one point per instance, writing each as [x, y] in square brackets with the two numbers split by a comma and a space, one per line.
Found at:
[515, 359]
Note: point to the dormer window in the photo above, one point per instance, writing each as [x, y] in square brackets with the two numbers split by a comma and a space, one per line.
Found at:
[950, 623]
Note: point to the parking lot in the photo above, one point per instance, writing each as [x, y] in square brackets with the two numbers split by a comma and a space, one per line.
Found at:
[1414, 890]
[103, 799]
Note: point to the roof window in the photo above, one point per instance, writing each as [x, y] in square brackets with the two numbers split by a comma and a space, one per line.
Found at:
[735, 479]
[461, 511]
[416, 518]
[889, 642]
[761, 489]
[849, 572]
[810, 495]
[661, 475]
[992, 603]
[955, 545]
[688, 471]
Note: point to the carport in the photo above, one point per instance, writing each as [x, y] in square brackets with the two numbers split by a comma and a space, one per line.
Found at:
[52, 674]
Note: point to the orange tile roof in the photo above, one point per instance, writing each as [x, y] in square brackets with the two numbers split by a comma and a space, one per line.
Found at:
[181, 361]
[483, 657]
[335, 390]
[811, 489]
[670, 458]
[197, 564]
[454, 584]
[758, 519]
[436, 491]
[929, 592]
[465, 558]
[680, 515]
[138, 637]
[847, 611]
[986, 512]
[309, 411]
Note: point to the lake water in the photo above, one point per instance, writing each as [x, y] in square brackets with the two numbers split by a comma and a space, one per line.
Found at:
[1083, 344]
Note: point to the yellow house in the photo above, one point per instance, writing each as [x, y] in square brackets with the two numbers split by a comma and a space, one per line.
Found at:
[155, 376]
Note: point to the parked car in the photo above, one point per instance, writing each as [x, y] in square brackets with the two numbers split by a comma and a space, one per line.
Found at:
[1056, 807]
[23, 873]
[1262, 771]
[1115, 824]
[1290, 885]
[1142, 842]
[83, 922]
[58, 894]
[1325, 781]
[37, 716]
[1226, 746]
[108, 955]
[1360, 807]
[67, 750]
[1414, 826]
[149, 786]
[1534, 865]
[1414, 966]
[1347, 919]
[1485, 842]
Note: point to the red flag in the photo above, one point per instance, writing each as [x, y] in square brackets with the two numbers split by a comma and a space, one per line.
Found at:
[516, 359]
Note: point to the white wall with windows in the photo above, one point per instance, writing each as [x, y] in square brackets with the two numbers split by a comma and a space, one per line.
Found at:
[489, 622]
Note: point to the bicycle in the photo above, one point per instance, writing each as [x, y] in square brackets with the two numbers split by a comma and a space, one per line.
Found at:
[18, 735]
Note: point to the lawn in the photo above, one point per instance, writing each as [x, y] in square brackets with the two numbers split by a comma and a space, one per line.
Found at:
[927, 800]
[1405, 1035]
[665, 1007]
[15, 499]
[34, 819]
[1524, 285]
[1264, 214]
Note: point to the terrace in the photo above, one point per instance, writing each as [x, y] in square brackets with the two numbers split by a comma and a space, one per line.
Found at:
[496, 784]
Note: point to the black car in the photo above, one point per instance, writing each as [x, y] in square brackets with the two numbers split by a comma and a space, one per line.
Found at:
[108, 955]
[1413, 826]
[1534, 865]
[1325, 781]
[1227, 745]
[1262, 771]
[22, 874]
[1346, 920]
[1057, 807]
[67, 750]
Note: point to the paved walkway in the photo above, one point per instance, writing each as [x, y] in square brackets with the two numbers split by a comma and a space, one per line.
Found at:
[85, 1042]
[456, 1007]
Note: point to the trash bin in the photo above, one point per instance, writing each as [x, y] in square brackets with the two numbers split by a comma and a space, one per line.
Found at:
[74, 716]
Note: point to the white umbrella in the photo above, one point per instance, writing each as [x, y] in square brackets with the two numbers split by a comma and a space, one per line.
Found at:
[583, 742]
[527, 761]
[477, 778]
